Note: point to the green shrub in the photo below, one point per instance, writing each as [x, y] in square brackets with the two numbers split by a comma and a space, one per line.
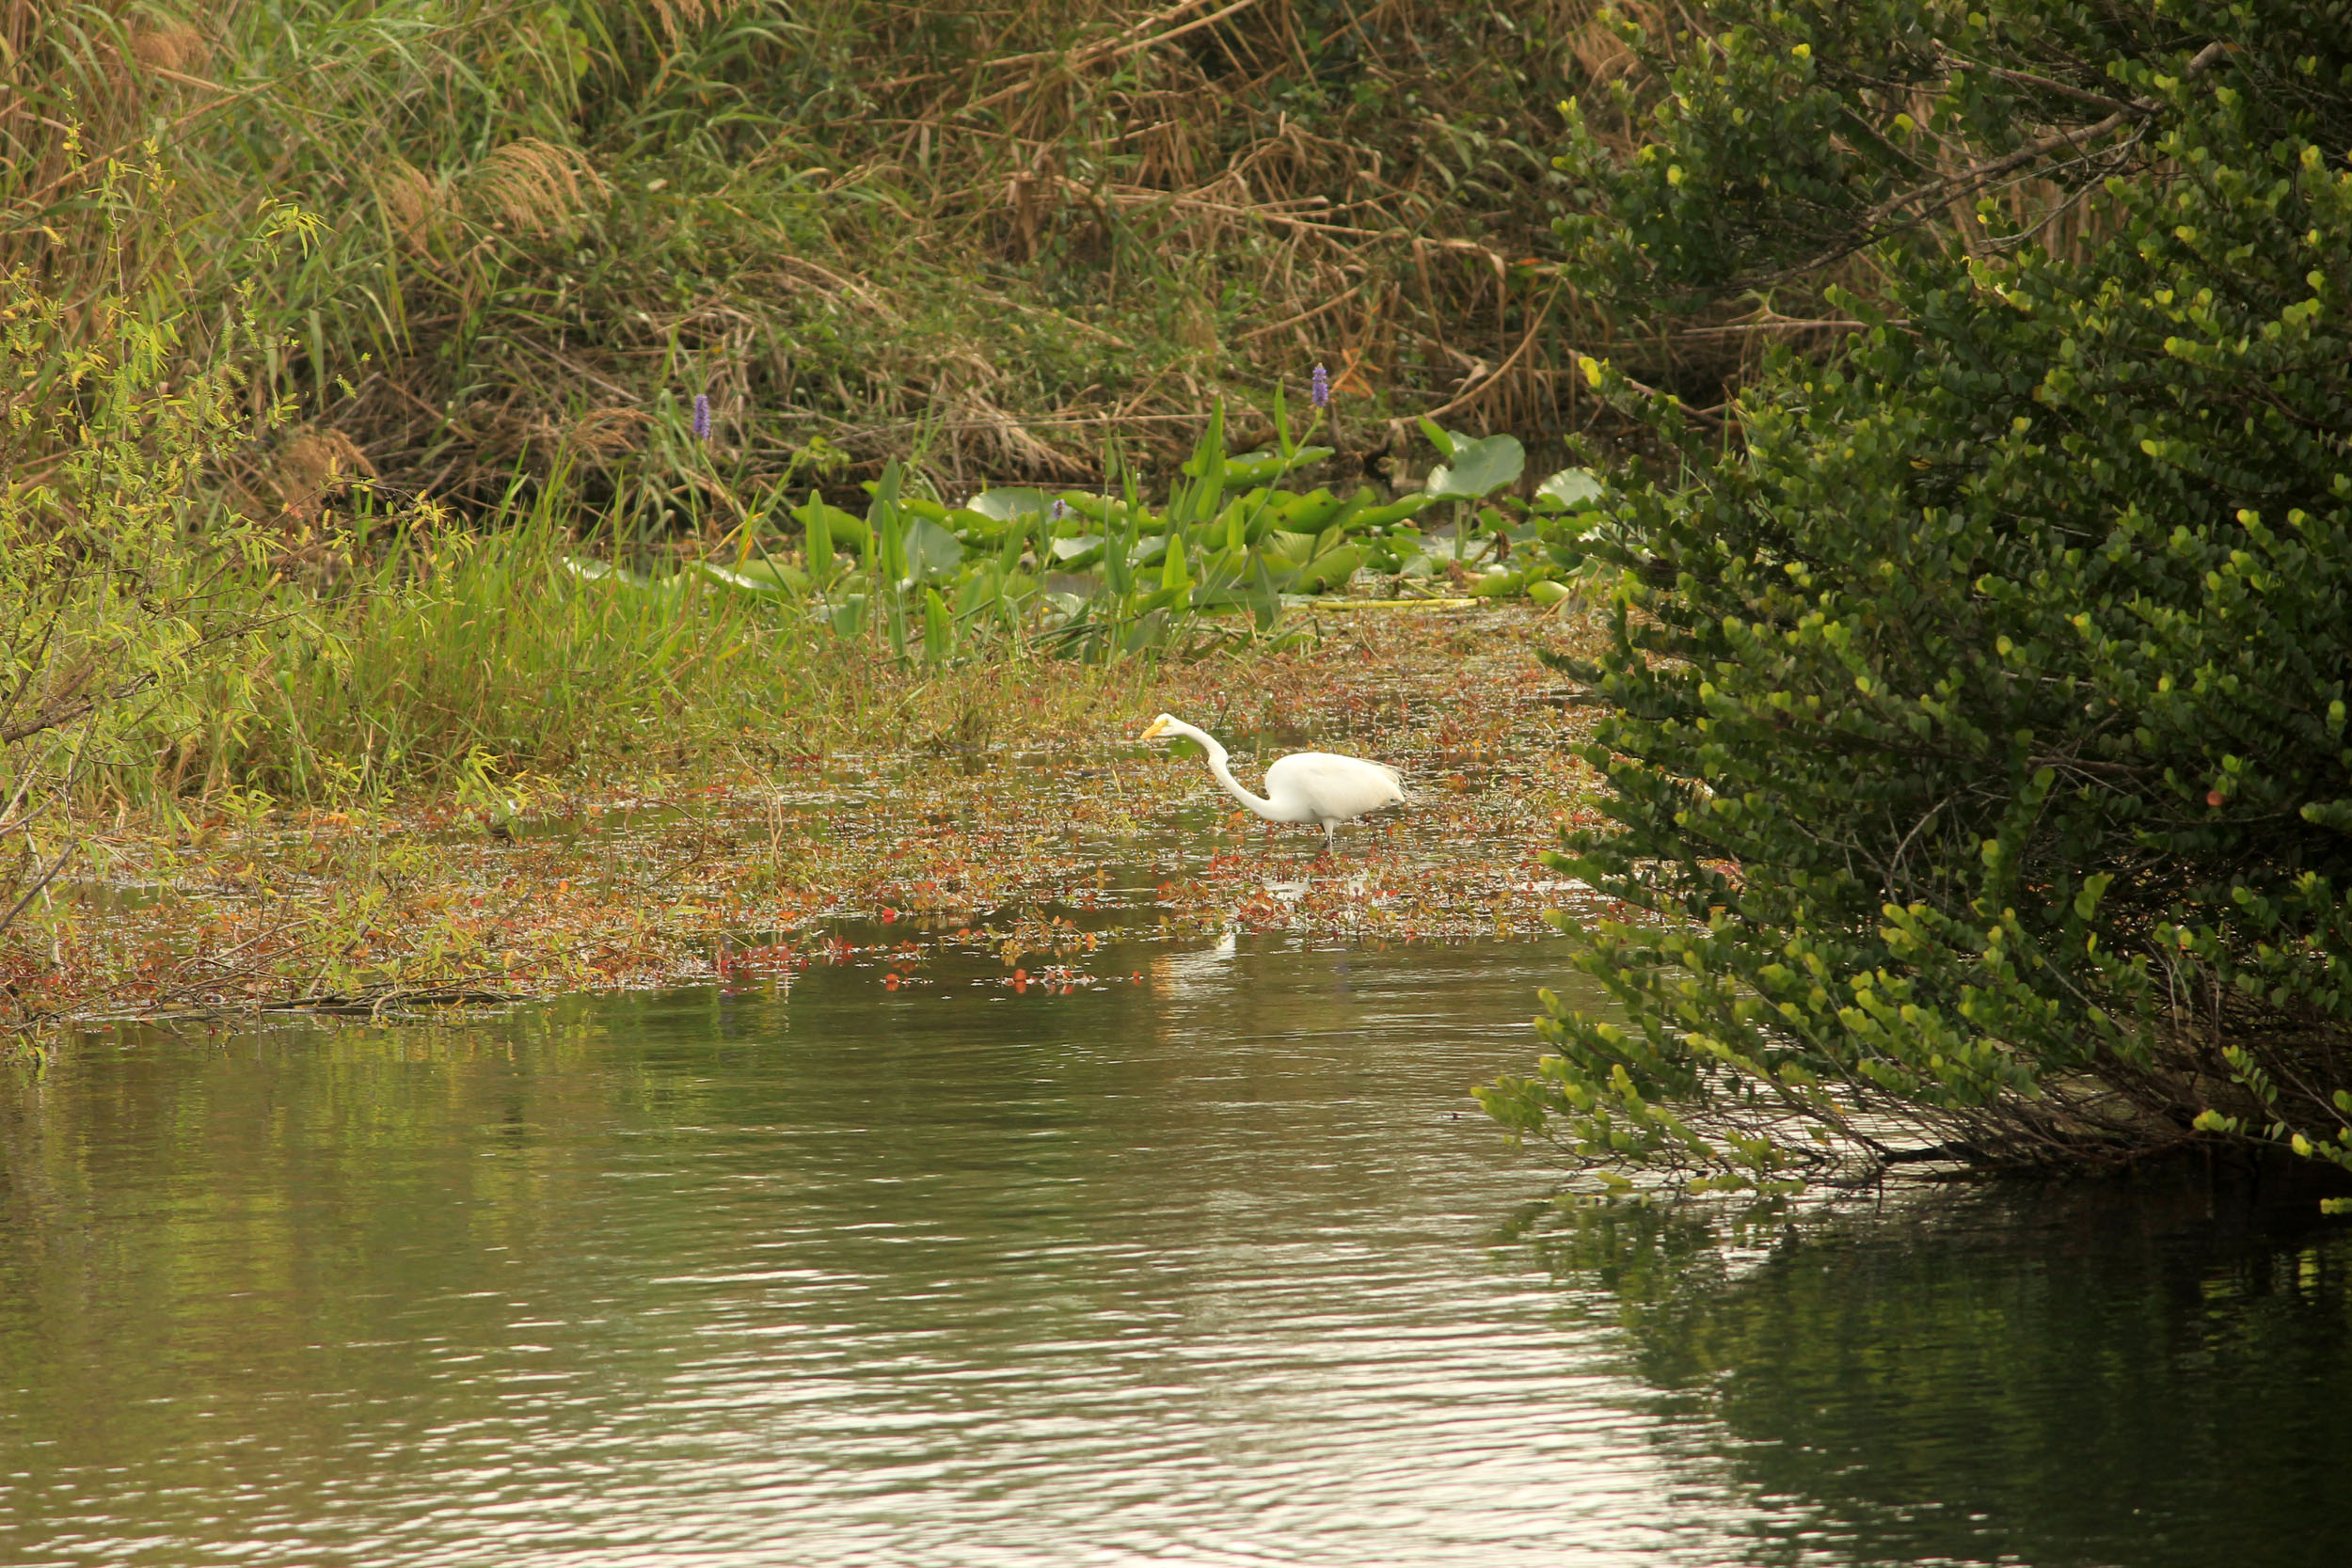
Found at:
[123, 593]
[1982, 761]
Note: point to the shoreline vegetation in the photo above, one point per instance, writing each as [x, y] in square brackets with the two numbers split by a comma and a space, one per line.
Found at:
[1018, 243]
[319, 707]
[986, 806]
[1975, 725]
[504, 498]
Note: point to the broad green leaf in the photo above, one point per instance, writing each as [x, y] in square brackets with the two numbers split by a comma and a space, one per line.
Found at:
[1076, 555]
[1312, 513]
[1478, 468]
[1173, 574]
[1265, 597]
[1395, 511]
[600, 571]
[1012, 502]
[938, 627]
[848, 617]
[844, 528]
[1570, 490]
[758, 576]
[1260, 467]
[1329, 570]
[1295, 548]
[932, 551]
[886, 518]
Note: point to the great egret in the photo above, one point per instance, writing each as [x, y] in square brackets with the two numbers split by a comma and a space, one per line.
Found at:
[1305, 786]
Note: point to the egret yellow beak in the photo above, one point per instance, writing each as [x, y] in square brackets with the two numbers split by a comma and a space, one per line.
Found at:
[1159, 728]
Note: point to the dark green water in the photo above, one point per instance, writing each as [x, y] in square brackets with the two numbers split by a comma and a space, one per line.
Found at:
[1202, 1269]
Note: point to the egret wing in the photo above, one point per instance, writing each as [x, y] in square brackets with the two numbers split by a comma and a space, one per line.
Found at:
[1322, 787]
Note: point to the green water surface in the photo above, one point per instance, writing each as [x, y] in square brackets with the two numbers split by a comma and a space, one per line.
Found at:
[1217, 1266]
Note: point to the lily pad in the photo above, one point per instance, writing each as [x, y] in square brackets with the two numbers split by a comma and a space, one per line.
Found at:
[1295, 548]
[1011, 501]
[1570, 490]
[1478, 468]
[1079, 553]
[602, 571]
[932, 550]
[1328, 570]
[759, 576]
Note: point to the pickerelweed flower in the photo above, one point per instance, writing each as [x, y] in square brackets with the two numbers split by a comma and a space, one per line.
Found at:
[702, 416]
[1061, 509]
[1321, 389]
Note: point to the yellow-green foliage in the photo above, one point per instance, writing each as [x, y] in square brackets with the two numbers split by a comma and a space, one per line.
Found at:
[1980, 752]
[121, 592]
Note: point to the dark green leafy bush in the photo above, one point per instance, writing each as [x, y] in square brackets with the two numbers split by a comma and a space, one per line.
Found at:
[1980, 762]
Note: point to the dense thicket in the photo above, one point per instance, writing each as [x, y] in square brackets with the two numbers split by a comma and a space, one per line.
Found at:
[1981, 763]
[996, 234]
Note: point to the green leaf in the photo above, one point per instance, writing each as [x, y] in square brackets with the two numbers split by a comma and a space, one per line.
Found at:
[600, 571]
[1570, 490]
[1328, 570]
[1012, 503]
[932, 551]
[1477, 469]
[840, 528]
[846, 616]
[758, 576]
[1265, 598]
[938, 627]
[1173, 572]
[1296, 549]
[887, 521]
[1261, 468]
[1077, 554]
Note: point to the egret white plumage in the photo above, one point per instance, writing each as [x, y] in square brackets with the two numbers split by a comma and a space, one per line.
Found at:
[1305, 786]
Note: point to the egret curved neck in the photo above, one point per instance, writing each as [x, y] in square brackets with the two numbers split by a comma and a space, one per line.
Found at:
[1218, 766]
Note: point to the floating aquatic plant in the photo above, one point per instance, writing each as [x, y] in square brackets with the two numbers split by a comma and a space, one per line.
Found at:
[1229, 552]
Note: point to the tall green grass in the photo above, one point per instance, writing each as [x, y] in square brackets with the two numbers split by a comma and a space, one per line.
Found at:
[455, 655]
[454, 664]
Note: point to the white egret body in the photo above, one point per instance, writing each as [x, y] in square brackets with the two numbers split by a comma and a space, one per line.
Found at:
[1305, 786]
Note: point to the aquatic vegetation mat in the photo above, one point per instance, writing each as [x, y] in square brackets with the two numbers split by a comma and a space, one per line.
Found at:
[1033, 844]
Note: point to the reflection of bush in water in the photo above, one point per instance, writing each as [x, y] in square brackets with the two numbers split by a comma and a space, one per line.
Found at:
[2145, 1373]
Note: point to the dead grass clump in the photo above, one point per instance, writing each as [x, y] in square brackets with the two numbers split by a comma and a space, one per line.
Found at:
[415, 204]
[312, 468]
[166, 44]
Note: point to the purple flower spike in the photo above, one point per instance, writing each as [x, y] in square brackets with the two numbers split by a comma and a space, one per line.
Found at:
[1321, 390]
[1061, 509]
[702, 417]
